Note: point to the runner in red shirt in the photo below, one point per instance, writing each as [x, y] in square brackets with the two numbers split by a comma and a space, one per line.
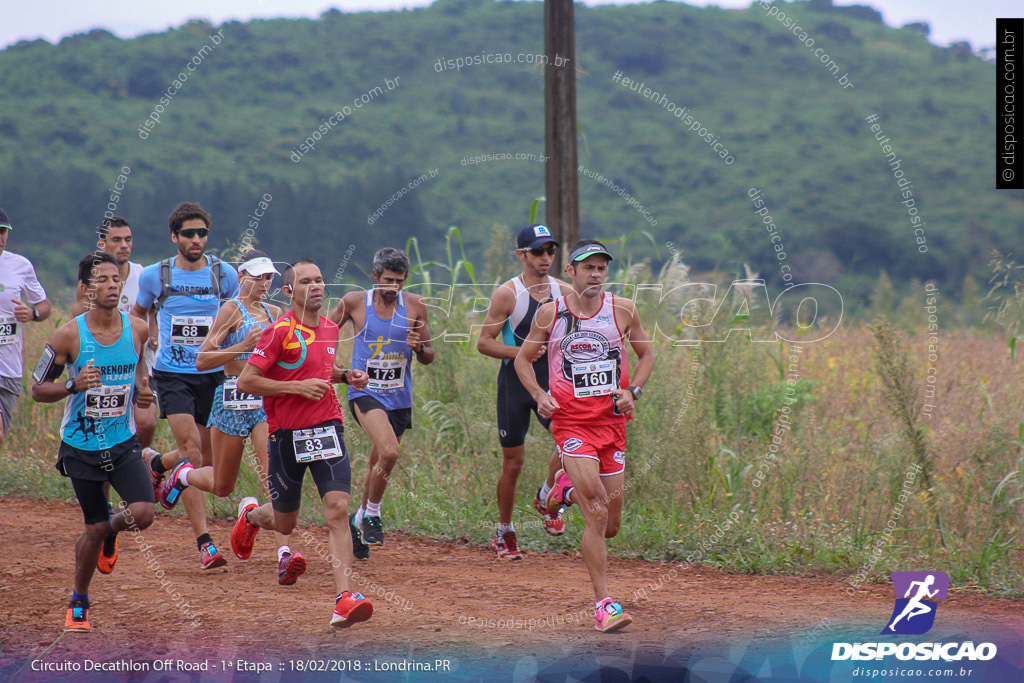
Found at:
[590, 400]
[293, 368]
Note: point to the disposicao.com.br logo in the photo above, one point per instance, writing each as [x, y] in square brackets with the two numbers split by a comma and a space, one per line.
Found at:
[917, 600]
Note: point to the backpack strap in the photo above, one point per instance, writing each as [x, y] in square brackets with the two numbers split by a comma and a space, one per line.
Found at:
[216, 279]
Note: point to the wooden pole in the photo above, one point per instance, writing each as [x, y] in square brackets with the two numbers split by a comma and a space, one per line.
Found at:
[561, 186]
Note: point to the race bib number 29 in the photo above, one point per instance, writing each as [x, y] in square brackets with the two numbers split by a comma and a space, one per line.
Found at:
[8, 329]
[318, 443]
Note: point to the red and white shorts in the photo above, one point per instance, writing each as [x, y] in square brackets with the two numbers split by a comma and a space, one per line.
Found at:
[604, 443]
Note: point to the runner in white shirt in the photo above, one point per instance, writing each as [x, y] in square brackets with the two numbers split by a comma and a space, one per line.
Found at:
[22, 299]
[115, 238]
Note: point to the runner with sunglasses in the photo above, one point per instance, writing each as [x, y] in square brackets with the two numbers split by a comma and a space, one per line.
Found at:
[510, 315]
[186, 291]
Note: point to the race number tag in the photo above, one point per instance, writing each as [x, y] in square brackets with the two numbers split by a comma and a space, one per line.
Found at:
[8, 329]
[385, 373]
[238, 400]
[190, 330]
[107, 401]
[593, 378]
[318, 443]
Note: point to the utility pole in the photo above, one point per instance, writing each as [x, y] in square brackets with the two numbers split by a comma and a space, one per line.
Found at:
[562, 181]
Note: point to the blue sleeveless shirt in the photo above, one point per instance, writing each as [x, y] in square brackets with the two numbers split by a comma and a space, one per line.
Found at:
[248, 322]
[380, 350]
[101, 418]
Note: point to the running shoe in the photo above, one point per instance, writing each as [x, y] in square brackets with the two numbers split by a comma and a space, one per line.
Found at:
[108, 555]
[157, 478]
[290, 568]
[243, 534]
[553, 523]
[507, 546]
[170, 490]
[360, 550]
[350, 608]
[210, 557]
[556, 501]
[373, 530]
[108, 551]
[77, 618]
[610, 617]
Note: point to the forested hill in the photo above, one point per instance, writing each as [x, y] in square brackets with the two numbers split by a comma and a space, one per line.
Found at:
[390, 97]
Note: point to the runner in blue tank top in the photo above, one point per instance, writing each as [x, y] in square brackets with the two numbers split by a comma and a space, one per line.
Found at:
[102, 350]
[391, 327]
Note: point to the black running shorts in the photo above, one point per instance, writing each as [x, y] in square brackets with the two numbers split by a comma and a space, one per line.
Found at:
[121, 465]
[514, 406]
[181, 392]
[285, 473]
[400, 418]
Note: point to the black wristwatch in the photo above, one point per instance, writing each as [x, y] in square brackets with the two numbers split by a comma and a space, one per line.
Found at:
[344, 376]
[69, 386]
[637, 392]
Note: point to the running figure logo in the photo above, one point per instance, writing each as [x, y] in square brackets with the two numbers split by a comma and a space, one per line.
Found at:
[914, 613]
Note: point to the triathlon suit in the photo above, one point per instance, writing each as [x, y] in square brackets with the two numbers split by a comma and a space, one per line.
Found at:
[514, 401]
[98, 441]
[233, 412]
[304, 434]
[380, 350]
[587, 361]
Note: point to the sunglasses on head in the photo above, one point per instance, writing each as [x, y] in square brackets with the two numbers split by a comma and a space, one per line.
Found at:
[192, 232]
[550, 251]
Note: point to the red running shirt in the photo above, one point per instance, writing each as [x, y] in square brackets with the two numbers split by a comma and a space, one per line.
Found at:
[287, 351]
[586, 361]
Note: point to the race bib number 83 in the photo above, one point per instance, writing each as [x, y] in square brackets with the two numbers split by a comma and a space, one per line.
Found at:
[318, 443]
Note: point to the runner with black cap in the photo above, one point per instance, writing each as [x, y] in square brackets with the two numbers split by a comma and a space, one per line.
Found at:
[22, 299]
[590, 398]
[510, 314]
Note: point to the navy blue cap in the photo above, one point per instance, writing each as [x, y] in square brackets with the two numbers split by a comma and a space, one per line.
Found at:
[534, 236]
[5, 222]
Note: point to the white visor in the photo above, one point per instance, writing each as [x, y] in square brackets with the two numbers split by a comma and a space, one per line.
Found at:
[258, 267]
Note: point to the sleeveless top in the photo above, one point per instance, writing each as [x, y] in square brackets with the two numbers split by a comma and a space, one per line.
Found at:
[380, 349]
[517, 327]
[248, 322]
[103, 417]
[586, 361]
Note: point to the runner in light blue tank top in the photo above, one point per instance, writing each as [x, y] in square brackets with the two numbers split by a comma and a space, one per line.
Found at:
[100, 418]
[381, 351]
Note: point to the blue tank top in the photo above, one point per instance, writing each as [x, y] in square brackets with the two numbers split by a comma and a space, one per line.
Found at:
[247, 324]
[101, 418]
[380, 349]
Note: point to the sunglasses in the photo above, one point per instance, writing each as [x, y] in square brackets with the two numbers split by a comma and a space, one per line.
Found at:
[193, 232]
[550, 251]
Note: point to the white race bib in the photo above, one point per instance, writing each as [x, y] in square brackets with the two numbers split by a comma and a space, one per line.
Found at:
[237, 400]
[190, 330]
[385, 373]
[593, 378]
[8, 329]
[318, 443]
[107, 401]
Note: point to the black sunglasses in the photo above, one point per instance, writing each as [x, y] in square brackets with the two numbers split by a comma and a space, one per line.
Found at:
[192, 232]
[550, 251]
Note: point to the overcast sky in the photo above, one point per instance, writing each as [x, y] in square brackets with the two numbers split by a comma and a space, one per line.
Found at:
[950, 20]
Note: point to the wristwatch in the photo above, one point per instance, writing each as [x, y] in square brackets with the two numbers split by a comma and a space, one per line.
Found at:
[69, 386]
[35, 313]
[637, 392]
